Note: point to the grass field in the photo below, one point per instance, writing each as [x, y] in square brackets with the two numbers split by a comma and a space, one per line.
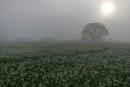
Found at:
[64, 65]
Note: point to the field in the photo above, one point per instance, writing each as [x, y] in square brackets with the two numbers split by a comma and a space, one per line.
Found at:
[64, 65]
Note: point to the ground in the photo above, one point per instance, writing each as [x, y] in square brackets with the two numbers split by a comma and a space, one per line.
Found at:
[64, 65]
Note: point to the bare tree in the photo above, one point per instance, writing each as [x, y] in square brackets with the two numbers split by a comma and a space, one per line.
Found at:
[94, 31]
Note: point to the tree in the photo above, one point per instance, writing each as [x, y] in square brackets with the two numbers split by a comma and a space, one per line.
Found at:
[94, 31]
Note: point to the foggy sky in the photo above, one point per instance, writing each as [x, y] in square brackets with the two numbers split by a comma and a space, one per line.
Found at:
[60, 19]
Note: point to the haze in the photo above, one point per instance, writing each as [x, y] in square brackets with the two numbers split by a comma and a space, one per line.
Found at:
[60, 19]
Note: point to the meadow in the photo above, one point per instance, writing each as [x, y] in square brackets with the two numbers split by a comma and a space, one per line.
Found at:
[64, 65]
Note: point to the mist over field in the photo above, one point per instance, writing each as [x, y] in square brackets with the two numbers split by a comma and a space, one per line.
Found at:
[64, 43]
[60, 19]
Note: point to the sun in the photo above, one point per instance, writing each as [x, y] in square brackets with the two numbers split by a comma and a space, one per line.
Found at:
[107, 8]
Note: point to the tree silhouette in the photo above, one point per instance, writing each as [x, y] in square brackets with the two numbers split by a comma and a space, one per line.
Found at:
[94, 31]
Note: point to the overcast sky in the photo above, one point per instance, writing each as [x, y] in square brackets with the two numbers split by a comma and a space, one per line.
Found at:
[61, 19]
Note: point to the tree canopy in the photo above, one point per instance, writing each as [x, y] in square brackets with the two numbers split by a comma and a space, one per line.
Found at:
[94, 31]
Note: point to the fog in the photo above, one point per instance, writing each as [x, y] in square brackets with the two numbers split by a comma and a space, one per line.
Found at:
[60, 19]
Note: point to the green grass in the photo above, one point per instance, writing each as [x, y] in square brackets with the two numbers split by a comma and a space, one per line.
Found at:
[39, 65]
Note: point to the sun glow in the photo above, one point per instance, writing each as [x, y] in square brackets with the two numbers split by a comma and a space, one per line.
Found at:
[107, 8]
